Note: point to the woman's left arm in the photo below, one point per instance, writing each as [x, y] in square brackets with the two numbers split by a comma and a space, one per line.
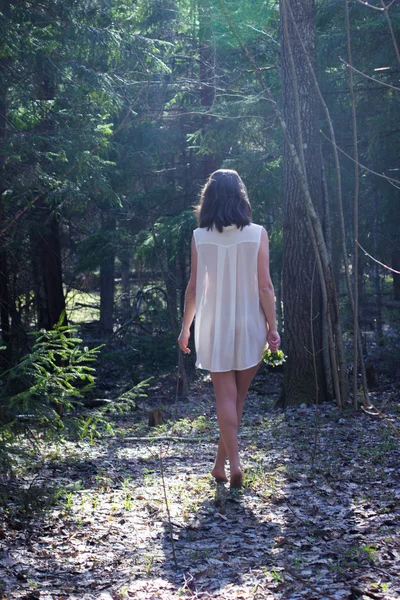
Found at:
[190, 303]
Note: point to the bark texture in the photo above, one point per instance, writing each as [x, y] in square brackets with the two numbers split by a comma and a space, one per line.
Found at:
[207, 76]
[301, 288]
[107, 285]
[46, 267]
[4, 278]
[45, 233]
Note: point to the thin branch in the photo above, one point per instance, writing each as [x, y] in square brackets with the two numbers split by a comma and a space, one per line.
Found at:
[9, 123]
[393, 87]
[389, 22]
[376, 7]
[263, 33]
[380, 413]
[378, 261]
[391, 180]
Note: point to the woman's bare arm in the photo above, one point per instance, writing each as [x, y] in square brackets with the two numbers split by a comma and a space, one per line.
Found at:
[190, 303]
[266, 291]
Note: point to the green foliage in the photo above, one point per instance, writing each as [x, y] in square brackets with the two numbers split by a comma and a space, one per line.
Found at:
[39, 394]
[170, 233]
[158, 355]
[104, 118]
[126, 402]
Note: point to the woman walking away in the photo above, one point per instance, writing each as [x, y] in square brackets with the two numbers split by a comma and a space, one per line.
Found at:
[231, 292]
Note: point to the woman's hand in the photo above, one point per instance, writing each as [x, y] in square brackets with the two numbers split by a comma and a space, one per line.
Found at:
[183, 340]
[273, 340]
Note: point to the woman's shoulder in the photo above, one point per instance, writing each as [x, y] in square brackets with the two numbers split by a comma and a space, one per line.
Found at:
[256, 227]
[230, 234]
[254, 231]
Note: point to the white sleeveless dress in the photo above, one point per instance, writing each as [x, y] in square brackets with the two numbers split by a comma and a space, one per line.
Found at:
[230, 326]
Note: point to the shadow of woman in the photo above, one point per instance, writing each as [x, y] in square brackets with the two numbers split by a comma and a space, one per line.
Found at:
[223, 542]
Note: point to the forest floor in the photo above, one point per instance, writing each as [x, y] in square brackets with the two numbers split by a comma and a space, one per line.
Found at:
[310, 523]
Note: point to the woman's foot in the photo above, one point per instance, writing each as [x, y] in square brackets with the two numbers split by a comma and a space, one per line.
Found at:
[219, 474]
[236, 479]
[218, 471]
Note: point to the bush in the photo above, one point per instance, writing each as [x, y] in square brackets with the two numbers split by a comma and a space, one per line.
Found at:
[39, 394]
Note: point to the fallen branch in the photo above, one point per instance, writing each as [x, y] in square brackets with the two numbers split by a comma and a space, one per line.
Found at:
[165, 438]
[379, 413]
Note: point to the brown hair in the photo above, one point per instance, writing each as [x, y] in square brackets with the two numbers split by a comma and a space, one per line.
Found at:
[223, 201]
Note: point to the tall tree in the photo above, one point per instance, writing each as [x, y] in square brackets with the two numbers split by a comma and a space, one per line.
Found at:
[207, 58]
[45, 234]
[303, 306]
[4, 277]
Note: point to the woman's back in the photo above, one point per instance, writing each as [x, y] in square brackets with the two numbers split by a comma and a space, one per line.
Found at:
[230, 328]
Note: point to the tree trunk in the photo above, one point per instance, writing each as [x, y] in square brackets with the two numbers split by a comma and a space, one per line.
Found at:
[46, 267]
[4, 279]
[107, 287]
[278, 294]
[207, 75]
[45, 233]
[125, 283]
[4, 298]
[304, 378]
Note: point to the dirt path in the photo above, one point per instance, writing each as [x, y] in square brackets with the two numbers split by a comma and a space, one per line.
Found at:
[296, 531]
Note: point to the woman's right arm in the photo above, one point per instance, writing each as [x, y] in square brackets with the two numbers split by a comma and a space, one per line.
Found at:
[266, 291]
[190, 303]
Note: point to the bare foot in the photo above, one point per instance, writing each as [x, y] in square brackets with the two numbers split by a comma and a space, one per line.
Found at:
[219, 475]
[236, 479]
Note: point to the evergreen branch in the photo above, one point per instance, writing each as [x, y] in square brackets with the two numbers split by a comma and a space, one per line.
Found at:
[30, 204]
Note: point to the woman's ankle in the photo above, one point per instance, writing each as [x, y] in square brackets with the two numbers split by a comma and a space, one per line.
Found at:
[219, 474]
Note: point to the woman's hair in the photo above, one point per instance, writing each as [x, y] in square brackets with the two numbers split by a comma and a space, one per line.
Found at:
[223, 201]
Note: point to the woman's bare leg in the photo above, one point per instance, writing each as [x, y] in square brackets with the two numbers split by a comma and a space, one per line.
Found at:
[226, 396]
[243, 381]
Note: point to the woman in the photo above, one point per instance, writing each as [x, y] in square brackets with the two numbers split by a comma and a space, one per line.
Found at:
[231, 292]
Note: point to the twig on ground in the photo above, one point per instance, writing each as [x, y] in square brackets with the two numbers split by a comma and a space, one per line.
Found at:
[165, 438]
[308, 585]
[380, 413]
[171, 533]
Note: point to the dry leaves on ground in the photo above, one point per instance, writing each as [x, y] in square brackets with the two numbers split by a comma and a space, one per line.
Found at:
[327, 528]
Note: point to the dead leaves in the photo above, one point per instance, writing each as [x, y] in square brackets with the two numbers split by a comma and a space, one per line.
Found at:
[295, 531]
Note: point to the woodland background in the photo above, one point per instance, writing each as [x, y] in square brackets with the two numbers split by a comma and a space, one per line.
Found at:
[112, 115]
